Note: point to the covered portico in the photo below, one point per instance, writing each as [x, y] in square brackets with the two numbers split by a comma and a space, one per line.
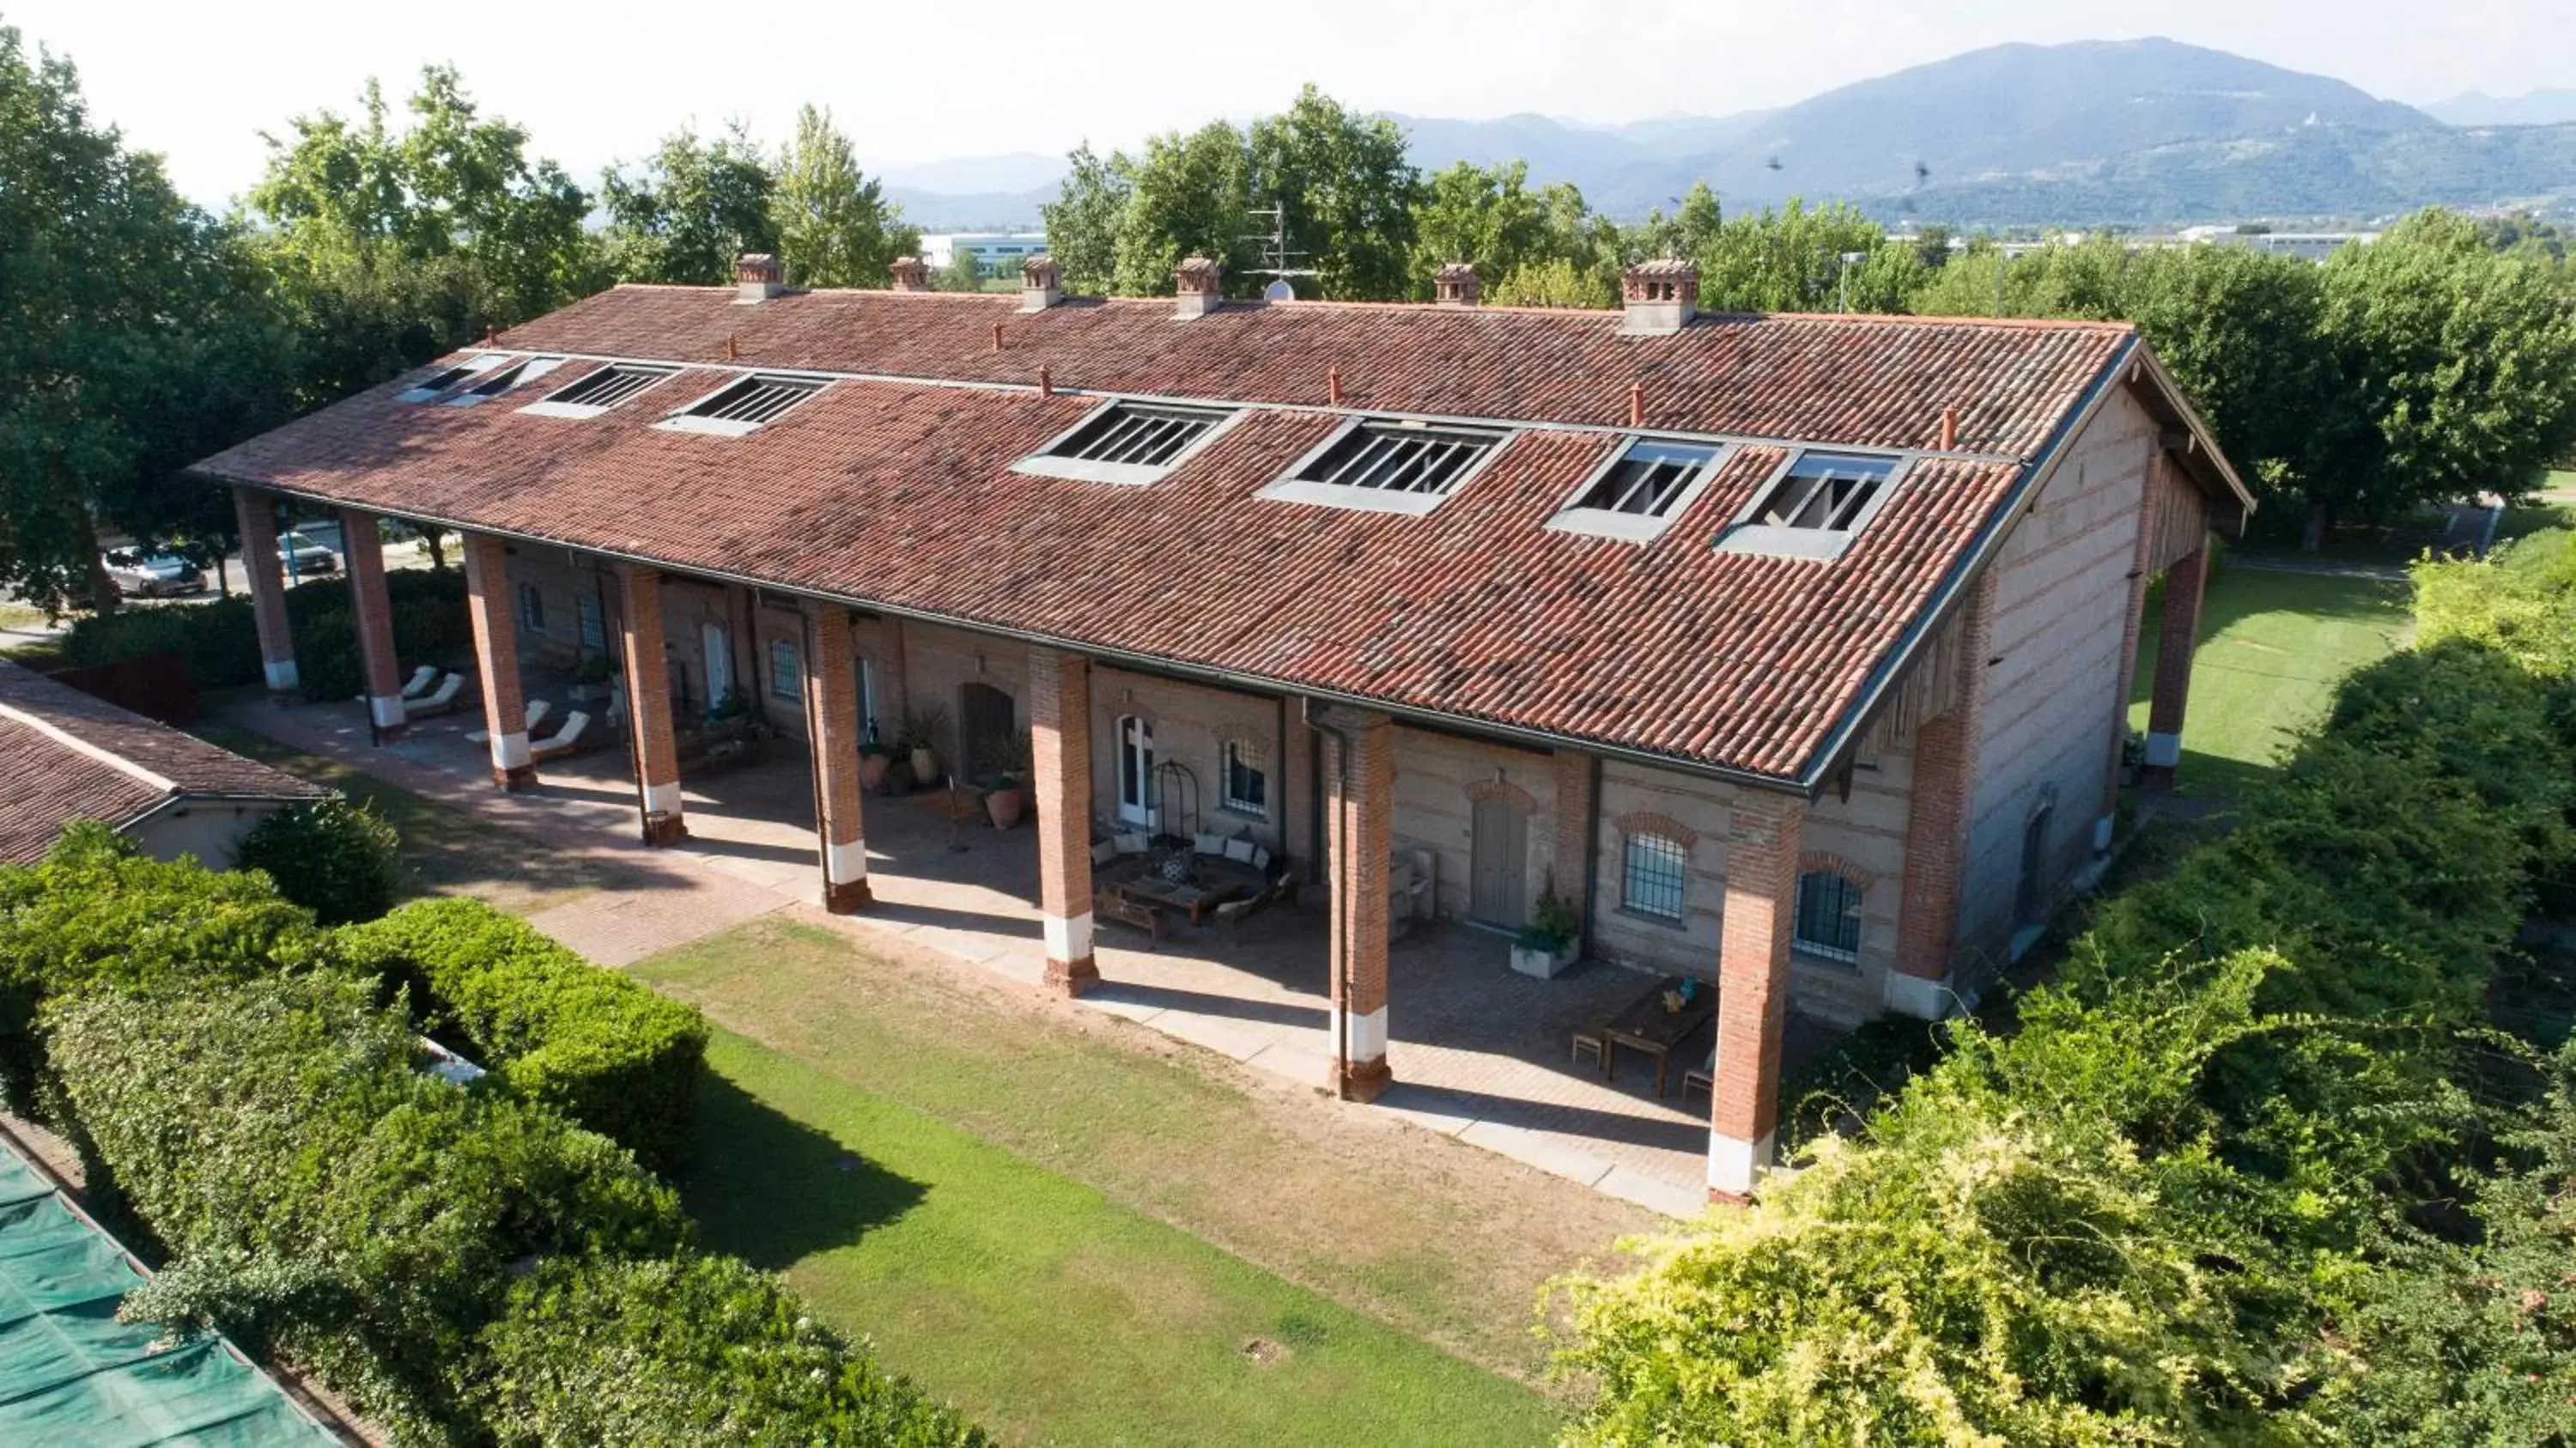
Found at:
[1433, 1025]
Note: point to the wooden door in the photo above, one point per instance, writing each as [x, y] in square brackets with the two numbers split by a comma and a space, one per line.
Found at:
[984, 719]
[1498, 882]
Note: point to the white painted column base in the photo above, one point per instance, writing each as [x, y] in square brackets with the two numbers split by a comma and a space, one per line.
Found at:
[386, 709]
[2102, 830]
[1734, 1165]
[662, 799]
[281, 675]
[1367, 1034]
[2164, 751]
[1912, 995]
[843, 864]
[1068, 937]
[510, 751]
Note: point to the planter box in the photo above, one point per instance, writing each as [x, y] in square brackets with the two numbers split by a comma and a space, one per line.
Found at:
[1544, 963]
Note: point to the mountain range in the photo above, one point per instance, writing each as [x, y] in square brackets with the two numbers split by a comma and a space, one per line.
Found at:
[2134, 132]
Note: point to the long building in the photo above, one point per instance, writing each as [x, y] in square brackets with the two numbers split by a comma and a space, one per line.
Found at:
[1793, 652]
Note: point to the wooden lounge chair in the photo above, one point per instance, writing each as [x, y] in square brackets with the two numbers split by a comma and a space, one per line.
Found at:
[537, 711]
[438, 700]
[563, 741]
[419, 682]
[1117, 905]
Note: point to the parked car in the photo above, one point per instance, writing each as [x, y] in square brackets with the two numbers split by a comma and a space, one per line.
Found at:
[302, 555]
[153, 575]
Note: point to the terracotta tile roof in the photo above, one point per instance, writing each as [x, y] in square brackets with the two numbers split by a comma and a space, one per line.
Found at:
[114, 766]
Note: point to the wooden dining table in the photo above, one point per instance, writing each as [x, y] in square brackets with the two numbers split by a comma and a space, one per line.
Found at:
[1646, 1026]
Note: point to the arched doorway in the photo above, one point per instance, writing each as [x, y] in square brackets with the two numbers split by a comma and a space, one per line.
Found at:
[985, 719]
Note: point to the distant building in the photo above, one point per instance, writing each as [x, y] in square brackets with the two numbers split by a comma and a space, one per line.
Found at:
[996, 253]
[2305, 245]
[67, 756]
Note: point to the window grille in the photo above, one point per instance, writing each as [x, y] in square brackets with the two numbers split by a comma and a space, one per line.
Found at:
[756, 400]
[1828, 916]
[612, 385]
[532, 608]
[1648, 479]
[1830, 492]
[1247, 778]
[1136, 434]
[1398, 458]
[1656, 873]
[786, 671]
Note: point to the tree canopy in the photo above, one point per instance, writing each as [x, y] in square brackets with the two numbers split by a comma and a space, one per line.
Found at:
[835, 227]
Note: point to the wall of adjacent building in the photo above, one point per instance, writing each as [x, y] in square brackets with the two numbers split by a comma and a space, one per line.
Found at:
[208, 829]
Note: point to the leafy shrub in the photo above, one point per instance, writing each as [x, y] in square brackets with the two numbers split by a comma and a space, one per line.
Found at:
[2518, 604]
[220, 637]
[683, 1351]
[605, 1051]
[351, 1210]
[97, 913]
[334, 858]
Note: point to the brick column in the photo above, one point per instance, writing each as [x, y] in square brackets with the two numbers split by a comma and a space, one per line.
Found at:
[373, 613]
[1359, 800]
[1752, 987]
[2176, 638]
[832, 723]
[496, 654]
[1936, 823]
[648, 704]
[1060, 755]
[1568, 862]
[257, 515]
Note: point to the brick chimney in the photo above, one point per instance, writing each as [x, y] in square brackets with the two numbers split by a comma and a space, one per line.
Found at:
[1041, 283]
[1455, 284]
[1199, 279]
[1661, 296]
[909, 274]
[757, 277]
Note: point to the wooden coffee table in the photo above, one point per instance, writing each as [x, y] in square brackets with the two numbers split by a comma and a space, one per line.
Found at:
[1196, 900]
[1646, 1026]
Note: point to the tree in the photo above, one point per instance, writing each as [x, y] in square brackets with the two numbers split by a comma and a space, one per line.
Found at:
[1345, 192]
[1082, 223]
[2462, 363]
[1792, 260]
[136, 335]
[835, 227]
[1689, 231]
[1484, 215]
[1187, 197]
[963, 273]
[691, 210]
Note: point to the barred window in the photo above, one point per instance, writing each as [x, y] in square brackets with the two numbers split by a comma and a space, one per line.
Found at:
[1247, 778]
[532, 608]
[786, 671]
[1828, 916]
[1657, 869]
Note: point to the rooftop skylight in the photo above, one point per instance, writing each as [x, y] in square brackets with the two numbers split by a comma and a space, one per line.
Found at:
[1815, 505]
[1640, 490]
[601, 390]
[1388, 466]
[429, 388]
[1127, 442]
[744, 406]
[495, 381]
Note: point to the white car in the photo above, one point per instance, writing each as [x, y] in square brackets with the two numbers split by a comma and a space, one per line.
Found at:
[154, 575]
[302, 555]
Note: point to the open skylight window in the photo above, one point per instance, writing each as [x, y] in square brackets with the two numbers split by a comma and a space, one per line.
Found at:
[602, 390]
[1815, 505]
[1640, 490]
[744, 406]
[1388, 466]
[1127, 442]
[498, 380]
[429, 388]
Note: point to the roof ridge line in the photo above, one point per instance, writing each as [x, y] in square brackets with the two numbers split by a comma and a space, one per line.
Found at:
[78, 745]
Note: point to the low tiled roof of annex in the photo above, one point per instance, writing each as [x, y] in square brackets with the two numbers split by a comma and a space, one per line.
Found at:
[898, 493]
[114, 766]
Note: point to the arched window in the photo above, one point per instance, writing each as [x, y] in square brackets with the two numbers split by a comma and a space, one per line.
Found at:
[1656, 870]
[532, 609]
[1828, 916]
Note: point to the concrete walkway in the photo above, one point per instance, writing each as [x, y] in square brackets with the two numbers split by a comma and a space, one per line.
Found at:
[1479, 1053]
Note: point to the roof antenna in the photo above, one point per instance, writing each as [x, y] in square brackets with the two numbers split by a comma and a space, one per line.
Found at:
[1637, 404]
[733, 346]
[1333, 386]
[1949, 428]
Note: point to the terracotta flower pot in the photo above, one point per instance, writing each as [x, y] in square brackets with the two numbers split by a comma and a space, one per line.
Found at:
[1006, 806]
[872, 771]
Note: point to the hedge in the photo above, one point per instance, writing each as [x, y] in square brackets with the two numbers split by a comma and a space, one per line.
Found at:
[607, 1052]
[337, 859]
[97, 913]
[332, 1200]
[221, 640]
[684, 1351]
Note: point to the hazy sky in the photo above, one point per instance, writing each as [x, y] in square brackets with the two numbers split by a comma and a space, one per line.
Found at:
[929, 81]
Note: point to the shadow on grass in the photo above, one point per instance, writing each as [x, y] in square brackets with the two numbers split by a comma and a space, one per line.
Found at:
[2217, 778]
[772, 1190]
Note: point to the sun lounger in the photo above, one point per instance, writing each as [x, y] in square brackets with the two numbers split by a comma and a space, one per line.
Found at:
[537, 711]
[564, 740]
[419, 682]
[438, 700]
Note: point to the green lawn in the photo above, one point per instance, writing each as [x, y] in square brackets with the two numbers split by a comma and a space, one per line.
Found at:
[1048, 1312]
[448, 851]
[2272, 645]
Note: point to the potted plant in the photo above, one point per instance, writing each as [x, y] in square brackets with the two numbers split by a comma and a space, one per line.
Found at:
[873, 760]
[922, 729]
[590, 679]
[1548, 944]
[1008, 798]
[898, 774]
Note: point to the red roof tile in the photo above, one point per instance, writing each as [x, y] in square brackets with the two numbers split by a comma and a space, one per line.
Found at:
[115, 765]
[897, 493]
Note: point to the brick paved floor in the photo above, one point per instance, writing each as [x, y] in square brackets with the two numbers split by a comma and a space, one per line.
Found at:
[1479, 1052]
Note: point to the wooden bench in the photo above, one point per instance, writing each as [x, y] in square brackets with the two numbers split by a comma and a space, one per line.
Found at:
[1117, 905]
